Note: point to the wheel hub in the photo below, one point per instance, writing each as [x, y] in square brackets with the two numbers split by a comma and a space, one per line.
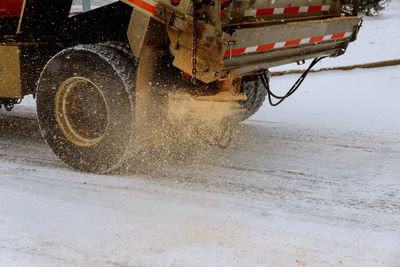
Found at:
[81, 111]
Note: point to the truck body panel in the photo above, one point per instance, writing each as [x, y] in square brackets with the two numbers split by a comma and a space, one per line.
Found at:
[109, 81]
[10, 8]
[10, 82]
[245, 37]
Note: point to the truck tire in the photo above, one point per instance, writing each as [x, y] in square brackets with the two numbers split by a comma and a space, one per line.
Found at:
[255, 92]
[85, 106]
[122, 47]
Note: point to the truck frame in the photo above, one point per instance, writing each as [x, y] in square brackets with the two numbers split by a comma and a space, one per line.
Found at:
[104, 79]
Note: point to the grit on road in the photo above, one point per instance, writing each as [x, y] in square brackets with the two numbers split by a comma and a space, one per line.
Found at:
[288, 191]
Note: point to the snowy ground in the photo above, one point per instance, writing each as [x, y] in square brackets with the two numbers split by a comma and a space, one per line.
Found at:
[362, 99]
[313, 182]
[295, 188]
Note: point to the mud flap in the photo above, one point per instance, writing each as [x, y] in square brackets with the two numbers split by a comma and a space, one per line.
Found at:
[10, 80]
[143, 30]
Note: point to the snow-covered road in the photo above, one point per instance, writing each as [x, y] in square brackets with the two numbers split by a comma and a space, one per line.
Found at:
[285, 193]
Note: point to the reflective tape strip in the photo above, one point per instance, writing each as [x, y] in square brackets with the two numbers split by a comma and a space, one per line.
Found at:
[327, 37]
[314, 8]
[284, 10]
[251, 49]
[265, 11]
[303, 9]
[316, 39]
[325, 8]
[305, 40]
[294, 42]
[265, 47]
[347, 34]
[250, 12]
[145, 6]
[338, 35]
[289, 10]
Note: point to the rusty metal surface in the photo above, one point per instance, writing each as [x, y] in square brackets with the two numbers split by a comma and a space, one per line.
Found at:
[223, 96]
[207, 109]
[244, 11]
[247, 28]
[211, 48]
[137, 29]
[143, 30]
[251, 69]
[10, 81]
[291, 31]
[249, 37]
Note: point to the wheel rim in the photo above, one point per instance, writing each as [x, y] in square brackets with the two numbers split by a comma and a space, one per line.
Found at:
[81, 111]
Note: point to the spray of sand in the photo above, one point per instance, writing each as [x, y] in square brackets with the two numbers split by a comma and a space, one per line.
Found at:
[177, 130]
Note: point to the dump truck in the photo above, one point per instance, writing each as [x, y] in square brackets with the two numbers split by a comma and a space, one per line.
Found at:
[101, 78]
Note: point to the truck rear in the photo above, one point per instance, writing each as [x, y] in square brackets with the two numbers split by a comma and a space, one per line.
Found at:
[105, 80]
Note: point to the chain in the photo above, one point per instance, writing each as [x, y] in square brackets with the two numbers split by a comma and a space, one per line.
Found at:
[9, 103]
[194, 50]
[226, 4]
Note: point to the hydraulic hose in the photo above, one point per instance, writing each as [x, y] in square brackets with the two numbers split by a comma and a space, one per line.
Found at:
[296, 85]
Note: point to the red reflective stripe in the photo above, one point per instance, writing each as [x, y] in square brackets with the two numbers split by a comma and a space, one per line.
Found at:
[237, 51]
[314, 8]
[338, 35]
[265, 11]
[291, 10]
[286, 10]
[316, 39]
[293, 42]
[265, 47]
[145, 6]
[234, 52]
[223, 7]
[10, 8]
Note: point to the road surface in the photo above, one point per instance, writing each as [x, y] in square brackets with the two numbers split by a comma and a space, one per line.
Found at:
[282, 194]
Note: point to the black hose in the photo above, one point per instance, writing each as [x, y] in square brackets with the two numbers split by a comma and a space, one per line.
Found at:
[296, 85]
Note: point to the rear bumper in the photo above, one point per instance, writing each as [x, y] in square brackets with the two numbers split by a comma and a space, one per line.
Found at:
[253, 49]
